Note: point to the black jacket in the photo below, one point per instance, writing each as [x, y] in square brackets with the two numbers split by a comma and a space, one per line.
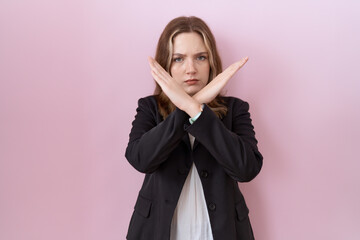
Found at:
[225, 152]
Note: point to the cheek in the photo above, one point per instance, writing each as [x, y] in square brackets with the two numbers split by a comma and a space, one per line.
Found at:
[175, 71]
[206, 73]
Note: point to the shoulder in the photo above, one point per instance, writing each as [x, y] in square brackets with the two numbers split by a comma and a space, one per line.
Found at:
[148, 106]
[148, 101]
[234, 103]
[151, 99]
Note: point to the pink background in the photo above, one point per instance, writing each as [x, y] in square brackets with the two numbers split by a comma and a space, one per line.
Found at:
[71, 73]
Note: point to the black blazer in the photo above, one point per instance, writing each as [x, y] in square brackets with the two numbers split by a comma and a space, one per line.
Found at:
[225, 152]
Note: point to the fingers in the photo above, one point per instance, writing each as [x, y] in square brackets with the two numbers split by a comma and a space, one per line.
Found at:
[158, 69]
[242, 62]
[156, 77]
[237, 65]
[156, 73]
[233, 68]
[154, 64]
[210, 91]
[154, 69]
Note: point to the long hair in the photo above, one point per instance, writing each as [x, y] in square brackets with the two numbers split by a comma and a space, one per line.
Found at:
[164, 52]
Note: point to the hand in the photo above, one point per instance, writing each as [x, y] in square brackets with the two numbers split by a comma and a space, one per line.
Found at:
[173, 90]
[212, 89]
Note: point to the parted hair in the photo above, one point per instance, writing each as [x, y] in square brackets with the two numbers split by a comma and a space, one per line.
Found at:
[164, 52]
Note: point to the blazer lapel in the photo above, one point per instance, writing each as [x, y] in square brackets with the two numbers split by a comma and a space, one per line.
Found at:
[186, 140]
[196, 142]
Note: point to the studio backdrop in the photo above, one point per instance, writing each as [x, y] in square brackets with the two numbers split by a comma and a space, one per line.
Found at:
[71, 73]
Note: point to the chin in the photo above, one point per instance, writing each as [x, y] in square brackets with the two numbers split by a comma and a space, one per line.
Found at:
[193, 91]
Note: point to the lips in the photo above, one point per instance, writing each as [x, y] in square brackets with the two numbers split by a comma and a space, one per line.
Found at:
[191, 81]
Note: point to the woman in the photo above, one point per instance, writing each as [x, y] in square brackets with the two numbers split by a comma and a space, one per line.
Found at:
[194, 144]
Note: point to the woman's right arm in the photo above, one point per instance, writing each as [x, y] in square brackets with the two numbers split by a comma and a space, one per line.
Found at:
[150, 143]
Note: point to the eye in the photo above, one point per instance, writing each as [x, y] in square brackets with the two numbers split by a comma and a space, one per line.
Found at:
[178, 59]
[201, 58]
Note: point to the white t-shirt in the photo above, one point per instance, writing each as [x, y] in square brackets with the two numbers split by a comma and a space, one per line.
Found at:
[191, 217]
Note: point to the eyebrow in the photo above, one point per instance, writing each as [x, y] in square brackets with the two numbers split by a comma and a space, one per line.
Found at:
[200, 53]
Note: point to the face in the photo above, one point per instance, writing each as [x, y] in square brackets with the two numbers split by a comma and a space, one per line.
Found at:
[190, 62]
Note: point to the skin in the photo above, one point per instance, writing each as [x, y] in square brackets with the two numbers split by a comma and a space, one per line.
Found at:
[189, 64]
[190, 61]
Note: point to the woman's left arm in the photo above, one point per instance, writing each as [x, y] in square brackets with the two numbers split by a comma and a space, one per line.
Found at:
[236, 150]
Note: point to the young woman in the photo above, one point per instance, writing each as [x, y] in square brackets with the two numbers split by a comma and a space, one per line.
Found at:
[194, 144]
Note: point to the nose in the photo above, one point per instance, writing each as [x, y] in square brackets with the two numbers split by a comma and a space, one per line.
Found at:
[190, 67]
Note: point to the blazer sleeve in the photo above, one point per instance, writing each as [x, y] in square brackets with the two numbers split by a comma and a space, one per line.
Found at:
[235, 150]
[150, 143]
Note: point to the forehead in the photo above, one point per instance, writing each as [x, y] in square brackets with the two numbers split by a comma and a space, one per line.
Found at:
[187, 43]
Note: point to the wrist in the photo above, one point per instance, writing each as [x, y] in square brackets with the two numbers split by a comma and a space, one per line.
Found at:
[194, 109]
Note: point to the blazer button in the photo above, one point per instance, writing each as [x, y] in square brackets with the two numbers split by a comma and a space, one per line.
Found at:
[204, 174]
[212, 206]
